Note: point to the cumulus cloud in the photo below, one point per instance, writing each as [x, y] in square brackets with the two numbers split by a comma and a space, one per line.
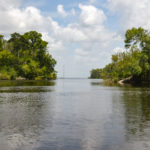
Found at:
[61, 11]
[15, 19]
[90, 15]
[7, 4]
[131, 12]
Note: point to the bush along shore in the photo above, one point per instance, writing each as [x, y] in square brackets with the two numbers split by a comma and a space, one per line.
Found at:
[25, 57]
[133, 64]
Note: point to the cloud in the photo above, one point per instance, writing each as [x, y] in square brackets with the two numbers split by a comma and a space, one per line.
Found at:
[81, 52]
[7, 4]
[92, 1]
[21, 20]
[61, 11]
[86, 60]
[132, 13]
[90, 15]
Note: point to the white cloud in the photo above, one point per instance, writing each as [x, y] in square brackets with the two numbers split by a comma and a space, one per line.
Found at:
[81, 52]
[86, 60]
[94, 41]
[61, 11]
[90, 15]
[21, 20]
[132, 13]
[70, 34]
[7, 4]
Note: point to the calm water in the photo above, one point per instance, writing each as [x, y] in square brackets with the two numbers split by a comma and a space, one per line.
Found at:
[73, 114]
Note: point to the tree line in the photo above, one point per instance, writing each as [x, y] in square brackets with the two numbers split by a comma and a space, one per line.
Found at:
[134, 62]
[26, 56]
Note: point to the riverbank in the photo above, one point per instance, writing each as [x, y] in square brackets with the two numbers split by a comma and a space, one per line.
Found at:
[125, 81]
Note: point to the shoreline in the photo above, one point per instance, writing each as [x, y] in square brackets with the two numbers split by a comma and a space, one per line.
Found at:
[125, 81]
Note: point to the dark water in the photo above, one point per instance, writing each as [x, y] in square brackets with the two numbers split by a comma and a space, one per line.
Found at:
[73, 114]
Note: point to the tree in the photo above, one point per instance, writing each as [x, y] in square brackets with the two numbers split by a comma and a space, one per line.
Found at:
[134, 62]
[138, 37]
[1, 42]
[35, 44]
[96, 73]
[26, 56]
[17, 42]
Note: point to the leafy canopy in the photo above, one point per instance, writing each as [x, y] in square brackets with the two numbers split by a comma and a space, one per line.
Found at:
[26, 56]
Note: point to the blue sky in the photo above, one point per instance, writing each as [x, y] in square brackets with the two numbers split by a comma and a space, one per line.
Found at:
[82, 34]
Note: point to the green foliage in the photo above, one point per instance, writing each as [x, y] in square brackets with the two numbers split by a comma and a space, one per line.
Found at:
[7, 73]
[1, 42]
[6, 58]
[128, 64]
[96, 73]
[26, 56]
[30, 70]
[134, 62]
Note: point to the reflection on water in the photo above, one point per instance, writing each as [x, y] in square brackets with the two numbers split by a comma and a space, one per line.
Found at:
[73, 114]
[24, 89]
[6, 83]
[137, 113]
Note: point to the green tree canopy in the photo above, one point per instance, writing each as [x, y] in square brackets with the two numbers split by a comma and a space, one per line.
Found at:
[96, 73]
[28, 56]
[134, 62]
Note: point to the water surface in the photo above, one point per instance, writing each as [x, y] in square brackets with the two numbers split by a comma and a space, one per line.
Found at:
[73, 114]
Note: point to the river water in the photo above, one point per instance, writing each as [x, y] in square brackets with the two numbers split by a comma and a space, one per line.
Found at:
[73, 114]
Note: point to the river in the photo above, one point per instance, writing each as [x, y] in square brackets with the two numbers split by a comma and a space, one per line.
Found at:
[73, 114]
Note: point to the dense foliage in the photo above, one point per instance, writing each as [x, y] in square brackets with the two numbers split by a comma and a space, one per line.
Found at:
[134, 62]
[95, 73]
[25, 56]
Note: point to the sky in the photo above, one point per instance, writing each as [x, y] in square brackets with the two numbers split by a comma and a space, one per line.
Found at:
[82, 34]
